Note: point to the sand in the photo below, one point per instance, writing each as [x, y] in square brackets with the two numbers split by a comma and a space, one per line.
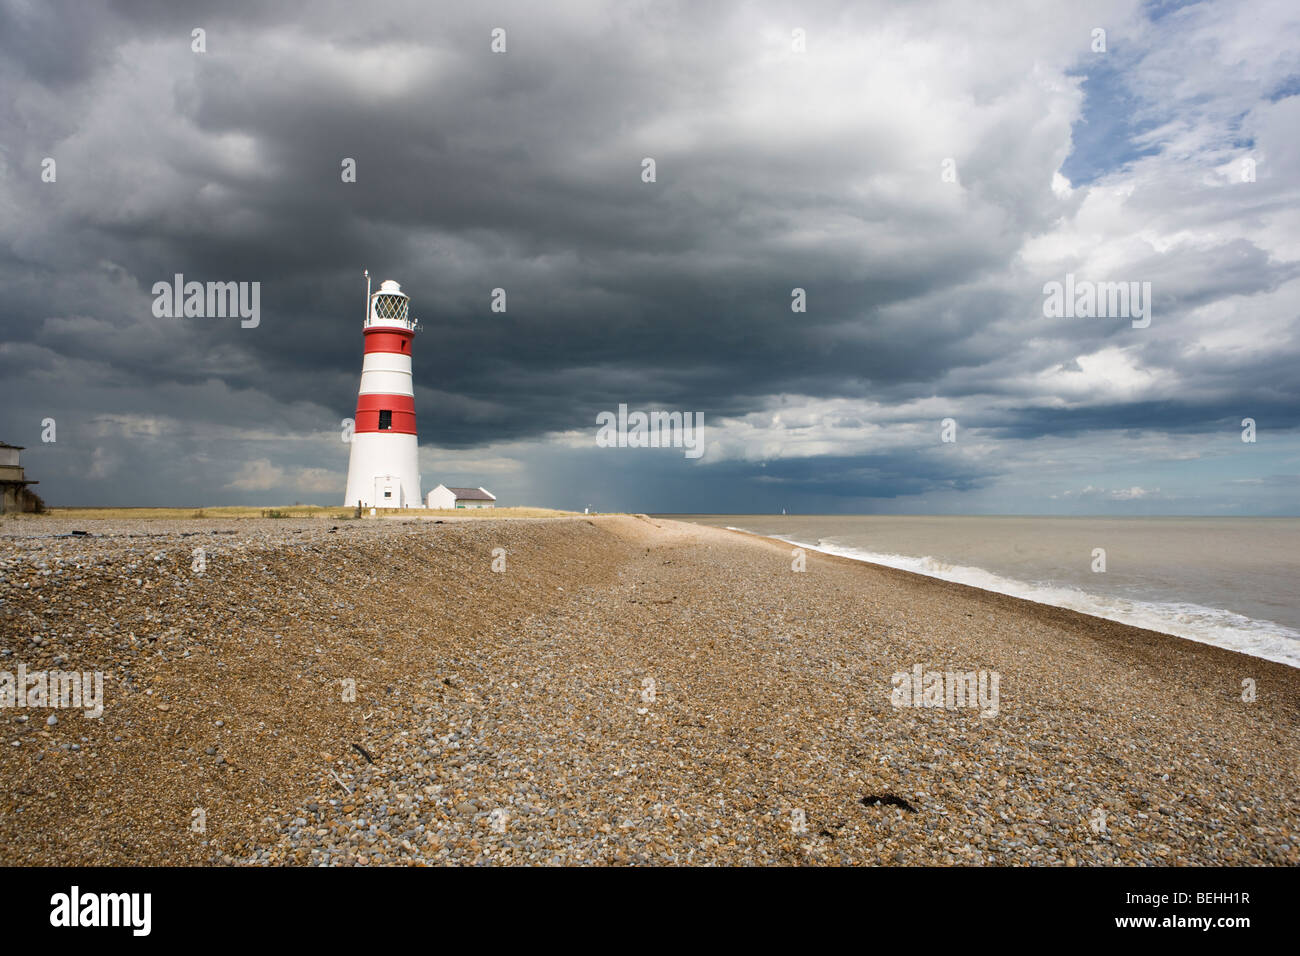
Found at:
[509, 717]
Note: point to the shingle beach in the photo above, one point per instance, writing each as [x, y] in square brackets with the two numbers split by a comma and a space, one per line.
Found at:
[626, 690]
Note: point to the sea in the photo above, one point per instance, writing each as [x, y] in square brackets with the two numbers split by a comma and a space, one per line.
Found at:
[1232, 582]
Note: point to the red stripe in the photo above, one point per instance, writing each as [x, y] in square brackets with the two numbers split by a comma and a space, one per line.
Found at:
[402, 407]
[389, 340]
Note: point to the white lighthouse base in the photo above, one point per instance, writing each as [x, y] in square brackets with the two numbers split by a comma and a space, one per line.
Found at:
[384, 471]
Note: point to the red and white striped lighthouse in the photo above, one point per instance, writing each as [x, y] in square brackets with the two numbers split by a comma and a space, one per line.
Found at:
[384, 468]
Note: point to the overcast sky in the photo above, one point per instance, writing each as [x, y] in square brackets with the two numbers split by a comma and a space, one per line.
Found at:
[775, 168]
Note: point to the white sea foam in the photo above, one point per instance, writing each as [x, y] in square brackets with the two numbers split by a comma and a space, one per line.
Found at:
[1195, 622]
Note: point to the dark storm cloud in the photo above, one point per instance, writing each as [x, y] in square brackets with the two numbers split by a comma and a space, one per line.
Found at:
[522, 171]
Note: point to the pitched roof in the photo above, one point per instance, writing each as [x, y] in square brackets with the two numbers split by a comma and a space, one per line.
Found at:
[472, 494]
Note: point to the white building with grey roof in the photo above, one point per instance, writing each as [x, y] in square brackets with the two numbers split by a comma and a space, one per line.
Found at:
[444, 497]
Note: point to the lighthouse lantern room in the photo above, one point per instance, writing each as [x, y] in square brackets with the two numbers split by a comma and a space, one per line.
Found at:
[383, 469]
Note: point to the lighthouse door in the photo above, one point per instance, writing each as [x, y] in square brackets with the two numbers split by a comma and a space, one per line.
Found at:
[388, 492]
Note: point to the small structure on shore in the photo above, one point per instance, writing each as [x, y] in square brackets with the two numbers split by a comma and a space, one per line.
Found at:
[444, 497]
[15, 496]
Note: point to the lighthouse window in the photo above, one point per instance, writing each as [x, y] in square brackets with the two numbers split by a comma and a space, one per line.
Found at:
[391, 307]
[385, 419]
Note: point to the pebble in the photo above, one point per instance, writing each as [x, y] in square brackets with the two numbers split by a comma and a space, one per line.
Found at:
[490, 699]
